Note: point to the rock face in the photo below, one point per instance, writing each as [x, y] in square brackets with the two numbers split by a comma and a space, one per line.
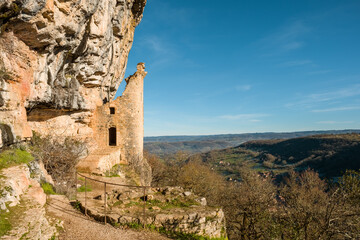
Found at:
[60, 60]
[23, 198]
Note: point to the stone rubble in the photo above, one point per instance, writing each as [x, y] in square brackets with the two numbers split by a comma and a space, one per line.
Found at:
[170, 209]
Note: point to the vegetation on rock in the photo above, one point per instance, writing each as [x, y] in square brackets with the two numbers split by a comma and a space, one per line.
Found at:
[13, 157]
[48, 189]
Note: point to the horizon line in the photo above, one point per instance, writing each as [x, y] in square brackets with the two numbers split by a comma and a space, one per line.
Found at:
[220, 134]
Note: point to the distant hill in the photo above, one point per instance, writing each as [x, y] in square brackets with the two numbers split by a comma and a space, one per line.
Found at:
[329, 154]
[196, 144]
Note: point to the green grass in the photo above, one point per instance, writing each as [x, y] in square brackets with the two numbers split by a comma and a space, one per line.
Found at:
[175, 203]
[171, 234]
[185, 236]
[134, 225]
[5, 224]
[113, 172]
[10, 219]
[48, 189]
[132, 203]
[117, 203]
[83, 189]
[13, 157]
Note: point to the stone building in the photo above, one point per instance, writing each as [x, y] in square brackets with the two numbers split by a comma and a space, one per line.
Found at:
[118, 127]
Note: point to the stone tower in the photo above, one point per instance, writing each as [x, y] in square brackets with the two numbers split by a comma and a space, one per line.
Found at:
[132, 115]
[118, 128]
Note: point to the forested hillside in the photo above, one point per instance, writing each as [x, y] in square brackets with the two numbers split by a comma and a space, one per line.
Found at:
[200, 144]
[329, 155]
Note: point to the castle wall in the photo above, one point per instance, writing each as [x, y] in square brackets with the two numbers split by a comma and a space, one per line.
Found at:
[132, 115]
[128, 119]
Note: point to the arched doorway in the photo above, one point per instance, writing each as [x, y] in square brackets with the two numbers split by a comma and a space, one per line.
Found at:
[112, 136]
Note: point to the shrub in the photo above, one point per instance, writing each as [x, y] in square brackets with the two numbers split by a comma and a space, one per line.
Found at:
[142, 168]
[60, 157]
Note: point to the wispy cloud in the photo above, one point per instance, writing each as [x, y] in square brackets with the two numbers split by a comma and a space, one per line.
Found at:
[338, 94]
[314, 99]
[243, 88]
[252, 117]
[161, 51]
[296, 63]
[157, 45]
[319, 72]
[287, 38]
[335, 122]
[293, 45]
[336, 109]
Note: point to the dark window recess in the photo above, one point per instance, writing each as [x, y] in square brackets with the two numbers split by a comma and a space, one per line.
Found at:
[112, 110]
[112, 136]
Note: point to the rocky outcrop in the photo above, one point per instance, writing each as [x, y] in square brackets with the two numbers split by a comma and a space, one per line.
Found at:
[60, 59]
[22, 200]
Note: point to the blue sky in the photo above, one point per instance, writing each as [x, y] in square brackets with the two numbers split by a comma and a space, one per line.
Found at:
[235, 66]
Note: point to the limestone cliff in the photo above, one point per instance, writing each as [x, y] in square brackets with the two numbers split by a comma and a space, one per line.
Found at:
[60, 60]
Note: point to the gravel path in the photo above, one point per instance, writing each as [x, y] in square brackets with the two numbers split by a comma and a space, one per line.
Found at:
[79, 227]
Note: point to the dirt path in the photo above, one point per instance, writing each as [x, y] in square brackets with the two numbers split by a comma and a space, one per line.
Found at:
[79, 227]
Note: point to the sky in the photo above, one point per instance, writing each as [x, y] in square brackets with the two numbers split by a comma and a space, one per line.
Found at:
[219, 67]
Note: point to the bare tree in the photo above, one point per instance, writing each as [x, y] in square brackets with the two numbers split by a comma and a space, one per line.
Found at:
[60, 157]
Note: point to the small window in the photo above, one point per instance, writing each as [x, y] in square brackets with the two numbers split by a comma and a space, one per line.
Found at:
[112, 136]
[112, 110]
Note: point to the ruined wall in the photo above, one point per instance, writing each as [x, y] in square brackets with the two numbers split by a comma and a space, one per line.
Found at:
[59, 59]
[128, 119]
[132, 114]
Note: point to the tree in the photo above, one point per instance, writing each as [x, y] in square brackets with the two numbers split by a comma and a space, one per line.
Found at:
[250, 207]
[307, 209]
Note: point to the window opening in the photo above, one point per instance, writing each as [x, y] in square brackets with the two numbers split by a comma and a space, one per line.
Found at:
[112, 136]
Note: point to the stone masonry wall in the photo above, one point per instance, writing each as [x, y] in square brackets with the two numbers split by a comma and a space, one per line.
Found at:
[128, 119]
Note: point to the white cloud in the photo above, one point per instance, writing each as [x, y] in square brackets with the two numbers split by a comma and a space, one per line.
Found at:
[249, 117]
[338, 94]
[311, 100]
[296, 63]
[293, 45]
[335, 122]
[319, 72]
[287, 38]
[243, 88]
[255, 120]
[336, 109]
[157, 45]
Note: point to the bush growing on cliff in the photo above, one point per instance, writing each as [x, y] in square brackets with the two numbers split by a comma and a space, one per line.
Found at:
[59, 157]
